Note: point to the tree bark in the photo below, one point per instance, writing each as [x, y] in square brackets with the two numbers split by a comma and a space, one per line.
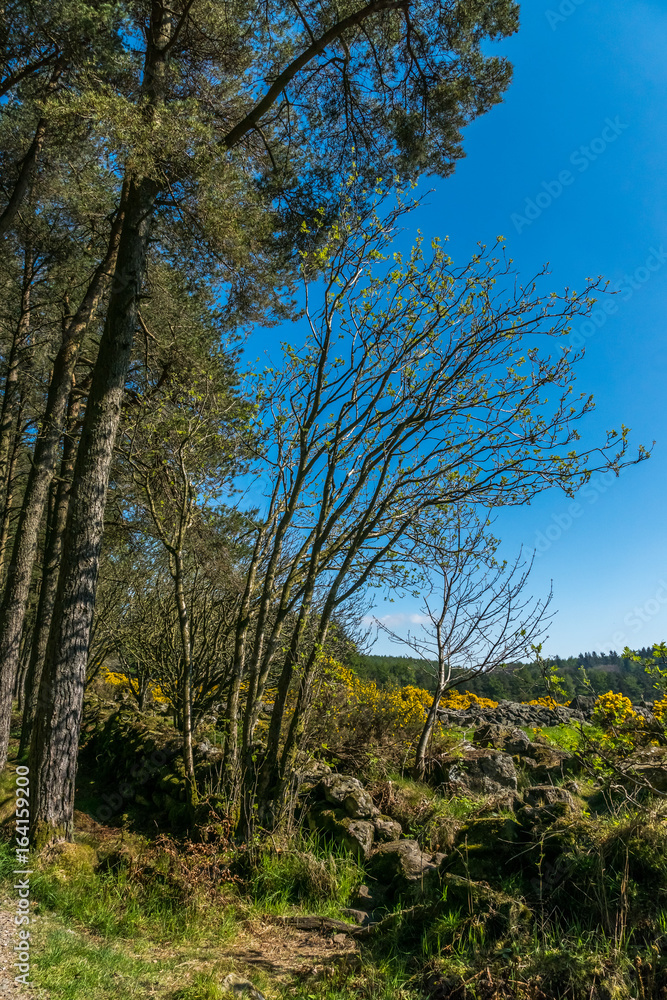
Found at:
[15, 597]
[53, 753]
[29, 162]
[55, 744]
[10, 397]
[186, 646]
[427, 731]
[47, 593]
[9, 494]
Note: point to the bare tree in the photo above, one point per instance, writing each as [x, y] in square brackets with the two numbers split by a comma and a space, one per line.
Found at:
[477, 616]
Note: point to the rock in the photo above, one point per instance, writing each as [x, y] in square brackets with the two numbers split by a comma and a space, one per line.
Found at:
[72, 857]
[486, 848]
[544, 804]
[510, 739]
[359, 916]
[355, 834]
[387, 829]
[546, 764]
[365, 898]
[648, 767]
[240, 987]
[401, 862]
[309, 774]
[341, 789]
[487, 773]
[584, 703]
[358, 836]
[547, 795]
[511, 714]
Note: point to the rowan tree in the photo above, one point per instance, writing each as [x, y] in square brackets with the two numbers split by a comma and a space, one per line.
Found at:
[420, 386]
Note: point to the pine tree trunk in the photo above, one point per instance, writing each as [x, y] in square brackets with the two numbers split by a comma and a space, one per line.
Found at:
[47, 594]
[56, 733]
[9, 494]
[11, 394]
[15, 597]
[54, 748]
[26, 168]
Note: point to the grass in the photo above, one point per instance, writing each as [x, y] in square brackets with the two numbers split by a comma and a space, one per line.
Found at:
[309, 872]
[424, 814]
[124, 917]
[71, 967]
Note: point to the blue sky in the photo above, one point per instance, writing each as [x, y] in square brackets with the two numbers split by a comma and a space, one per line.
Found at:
[572, 169]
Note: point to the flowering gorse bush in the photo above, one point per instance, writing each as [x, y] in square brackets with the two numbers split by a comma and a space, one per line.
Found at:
[660, 710]
[128, 683]
[613, 711]
[618, 733]
[546, 702]
[351, 715]
[460, 701]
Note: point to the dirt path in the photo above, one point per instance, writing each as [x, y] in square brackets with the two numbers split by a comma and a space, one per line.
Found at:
[268, 946]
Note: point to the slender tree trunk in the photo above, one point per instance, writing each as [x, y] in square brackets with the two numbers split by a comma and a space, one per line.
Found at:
[54, 748]
[8, 409]
[52, 553]
[10, 397]
[9, 494]
[27, 165]
[186, 647]
[427, 732]
[26, 171]
[444, 677]
[14, 602]
[56, 733]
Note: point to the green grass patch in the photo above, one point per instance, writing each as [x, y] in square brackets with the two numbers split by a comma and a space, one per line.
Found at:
[73, 968]
[308, 872]
[564, 737]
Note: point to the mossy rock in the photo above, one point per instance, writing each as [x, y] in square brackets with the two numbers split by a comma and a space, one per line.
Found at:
[548, 764]
[472, 907]
[487, 848]
[71, 857]
[354, 834]
[171, 785]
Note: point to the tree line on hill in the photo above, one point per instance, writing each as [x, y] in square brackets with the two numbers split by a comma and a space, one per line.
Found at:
[587, 673]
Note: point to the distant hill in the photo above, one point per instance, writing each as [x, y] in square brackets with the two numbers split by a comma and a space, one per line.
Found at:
[518, 681]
